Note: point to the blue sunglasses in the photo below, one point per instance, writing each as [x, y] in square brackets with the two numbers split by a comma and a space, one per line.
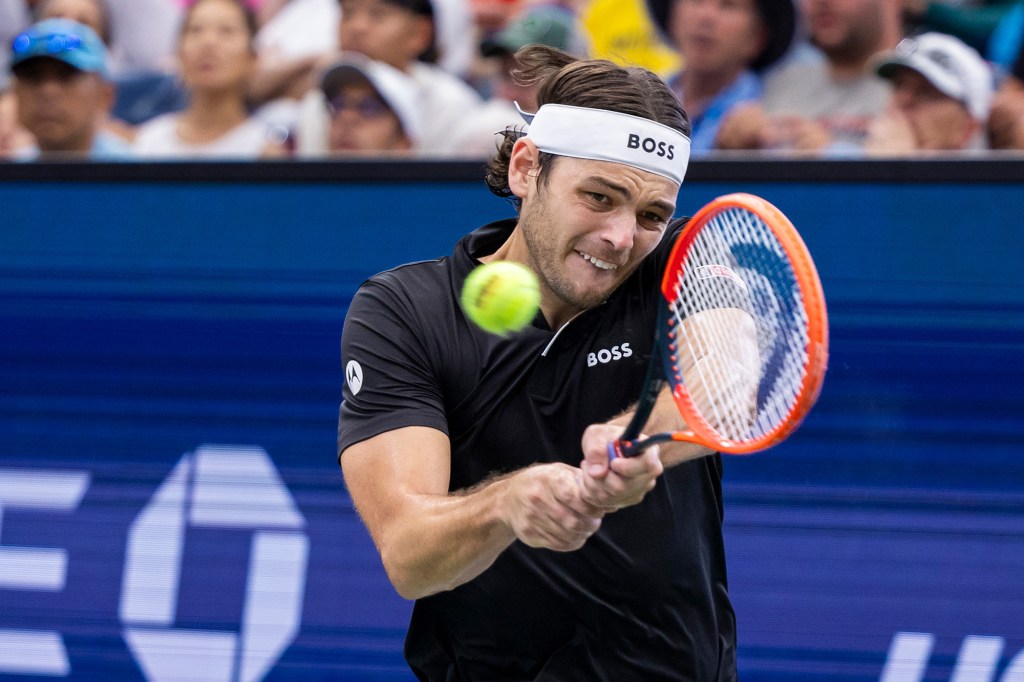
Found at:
[53, 43]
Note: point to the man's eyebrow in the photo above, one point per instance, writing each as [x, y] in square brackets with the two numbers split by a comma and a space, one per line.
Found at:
[668, 208]
[623, 191]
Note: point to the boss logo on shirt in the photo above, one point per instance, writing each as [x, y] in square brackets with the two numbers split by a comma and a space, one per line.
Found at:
[651, 146]
[606, 355]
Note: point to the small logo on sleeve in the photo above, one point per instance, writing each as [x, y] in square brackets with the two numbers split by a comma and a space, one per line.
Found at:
[354, 376]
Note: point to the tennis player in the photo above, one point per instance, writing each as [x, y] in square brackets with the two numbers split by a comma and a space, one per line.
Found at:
[480, 463]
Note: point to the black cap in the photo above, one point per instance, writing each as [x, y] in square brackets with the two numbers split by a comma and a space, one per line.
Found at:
[421, 7]
[778, 15]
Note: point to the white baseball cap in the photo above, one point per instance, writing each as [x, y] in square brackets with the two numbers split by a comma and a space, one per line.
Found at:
[954, 68]
[398, 90]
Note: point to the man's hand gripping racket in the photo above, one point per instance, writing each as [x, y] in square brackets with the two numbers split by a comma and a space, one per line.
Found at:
[742, 339]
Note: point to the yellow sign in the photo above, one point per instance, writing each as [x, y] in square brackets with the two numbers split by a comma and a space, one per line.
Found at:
[623, 32]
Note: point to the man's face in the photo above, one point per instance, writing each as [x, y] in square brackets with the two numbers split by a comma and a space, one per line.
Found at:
[845, 29]
[60, 105]
[717, 36]
[361, 122]
[588, 225]
[384, 31]
[938, 120]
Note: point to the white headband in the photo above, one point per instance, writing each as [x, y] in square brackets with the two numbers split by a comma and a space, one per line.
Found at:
[602, 135]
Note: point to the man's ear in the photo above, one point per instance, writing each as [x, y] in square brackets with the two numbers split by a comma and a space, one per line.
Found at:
[523, 166]
[422, 36]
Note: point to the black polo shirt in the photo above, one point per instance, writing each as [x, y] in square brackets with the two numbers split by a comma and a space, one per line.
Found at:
[645, 598]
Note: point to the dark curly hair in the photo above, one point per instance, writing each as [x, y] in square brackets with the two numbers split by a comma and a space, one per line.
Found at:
[592, 83]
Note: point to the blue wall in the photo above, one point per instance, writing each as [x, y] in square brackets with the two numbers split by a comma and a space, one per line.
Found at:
[155, 329]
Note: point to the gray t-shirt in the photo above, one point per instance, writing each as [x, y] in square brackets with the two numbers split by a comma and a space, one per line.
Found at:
[845, 108]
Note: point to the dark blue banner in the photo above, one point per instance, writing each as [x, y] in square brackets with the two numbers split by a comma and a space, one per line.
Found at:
[171, 506]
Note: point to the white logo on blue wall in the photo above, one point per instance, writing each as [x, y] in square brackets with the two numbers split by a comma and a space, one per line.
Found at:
[36, 569]
[215, 487]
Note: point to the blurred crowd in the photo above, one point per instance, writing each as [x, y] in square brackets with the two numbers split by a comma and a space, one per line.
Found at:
[247, 79]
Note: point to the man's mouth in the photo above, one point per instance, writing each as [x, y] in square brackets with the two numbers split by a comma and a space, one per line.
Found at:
[597, 262]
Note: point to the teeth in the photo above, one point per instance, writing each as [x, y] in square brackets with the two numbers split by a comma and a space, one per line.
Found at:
[604, 265]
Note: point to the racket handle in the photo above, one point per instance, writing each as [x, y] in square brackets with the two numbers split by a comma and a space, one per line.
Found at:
[629, 448]
[632, 448]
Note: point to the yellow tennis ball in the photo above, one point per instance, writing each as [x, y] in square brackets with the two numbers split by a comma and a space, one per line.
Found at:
[501, 296]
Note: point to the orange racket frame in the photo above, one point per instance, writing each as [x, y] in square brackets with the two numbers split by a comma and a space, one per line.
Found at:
[817, 324]
[698, 429]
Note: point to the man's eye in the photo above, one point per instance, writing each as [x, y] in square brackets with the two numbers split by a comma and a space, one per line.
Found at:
[598, 197]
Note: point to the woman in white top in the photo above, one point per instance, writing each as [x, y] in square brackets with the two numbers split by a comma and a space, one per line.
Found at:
[215, 50]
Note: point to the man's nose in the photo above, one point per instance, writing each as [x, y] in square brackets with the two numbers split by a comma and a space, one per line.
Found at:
[620, 229]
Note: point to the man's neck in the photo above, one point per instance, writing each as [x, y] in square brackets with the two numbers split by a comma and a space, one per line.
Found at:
[849, 64]
[848, 69]
[76, 147]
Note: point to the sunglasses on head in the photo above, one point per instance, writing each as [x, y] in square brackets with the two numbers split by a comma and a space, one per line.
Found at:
[53, 43]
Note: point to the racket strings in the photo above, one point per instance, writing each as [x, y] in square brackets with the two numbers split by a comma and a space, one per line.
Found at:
[706, 352]
[741, 327]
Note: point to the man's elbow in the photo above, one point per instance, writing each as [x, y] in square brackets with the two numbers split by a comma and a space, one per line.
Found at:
[407, 581]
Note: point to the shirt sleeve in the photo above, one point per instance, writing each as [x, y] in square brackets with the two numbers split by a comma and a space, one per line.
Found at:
[389, 381]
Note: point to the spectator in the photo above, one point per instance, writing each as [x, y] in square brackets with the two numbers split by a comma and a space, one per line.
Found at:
[96, 15]
[539, 24]
[15, 141]
[455, 36]
[93, 13]
[1007, 39]
[146, 35]
[143, 48]
[63, 92]
[972, 22]
[490, 16]
[295, 39]
[401, 33]
[15, 15]
[1006, 120]
[547, 24]
[217, 59]
[941, 97]
[372, 106]
[827, 103]
[725, 45]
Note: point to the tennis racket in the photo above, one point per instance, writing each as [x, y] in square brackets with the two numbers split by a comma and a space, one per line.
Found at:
[742, 337]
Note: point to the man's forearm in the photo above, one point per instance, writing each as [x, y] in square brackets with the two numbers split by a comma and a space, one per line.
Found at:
[446, 541]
